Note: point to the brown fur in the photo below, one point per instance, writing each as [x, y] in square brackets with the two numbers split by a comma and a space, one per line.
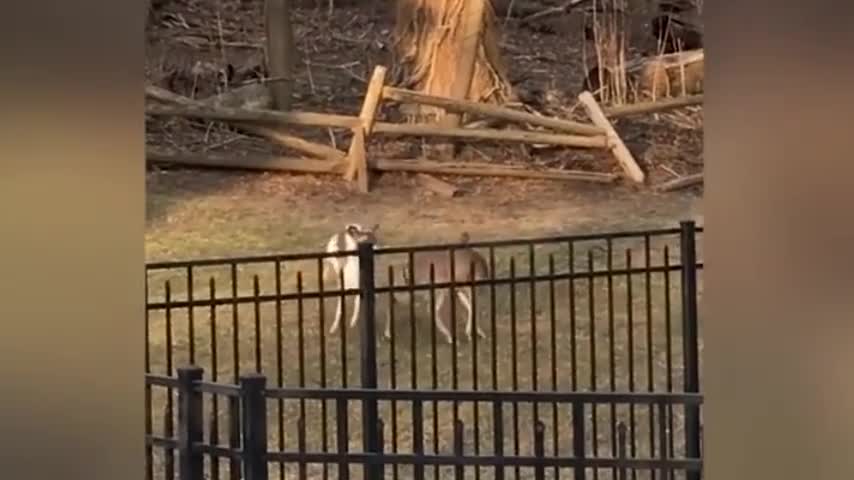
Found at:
[468, 266]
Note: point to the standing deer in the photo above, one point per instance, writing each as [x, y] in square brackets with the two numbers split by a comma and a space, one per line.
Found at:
[464, 259]
[348, 240]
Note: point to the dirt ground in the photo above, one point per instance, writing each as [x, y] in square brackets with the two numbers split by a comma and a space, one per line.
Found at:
[198, 214]
[195, 214]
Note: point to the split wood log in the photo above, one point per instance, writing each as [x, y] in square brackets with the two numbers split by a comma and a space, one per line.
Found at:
[618, 148]
[672, 74]
[651, 107]
[440, 187]
[248, 162]
[455, 168]
[676, 74]
[432, 130]
[237, 115]
[357, 155]
[488, 110]
[314, 149]
[681, 182]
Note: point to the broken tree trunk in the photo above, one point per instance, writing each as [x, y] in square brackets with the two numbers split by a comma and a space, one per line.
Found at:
[429, 39]
[466, 44]
[280, 50]
[449, 48]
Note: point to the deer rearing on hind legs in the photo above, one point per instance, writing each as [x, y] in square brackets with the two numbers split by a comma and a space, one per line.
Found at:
[345, 241]
[468, 266]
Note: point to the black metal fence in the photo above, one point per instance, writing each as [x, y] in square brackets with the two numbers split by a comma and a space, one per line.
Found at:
[589, 367]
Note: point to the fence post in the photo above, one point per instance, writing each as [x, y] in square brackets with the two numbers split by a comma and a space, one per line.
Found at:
[690, 339]
[368, 364]
[252, 387]
[190, 424]
[578, 438]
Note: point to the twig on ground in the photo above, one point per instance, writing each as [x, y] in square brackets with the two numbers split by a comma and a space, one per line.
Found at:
[435, 185]
[680, 183]
[560, 9]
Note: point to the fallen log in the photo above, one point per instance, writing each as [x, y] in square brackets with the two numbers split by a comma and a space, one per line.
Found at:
[238, 115]
[681, 182]
[651, 107]
[455, 168]
[440, 187]
[488, 110]
[318, 150]
[253, 162]
[257, 162]
[618, 148]
[314, 149]
[522, 136]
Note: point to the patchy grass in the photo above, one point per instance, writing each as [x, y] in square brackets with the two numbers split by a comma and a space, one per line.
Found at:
[529, 346]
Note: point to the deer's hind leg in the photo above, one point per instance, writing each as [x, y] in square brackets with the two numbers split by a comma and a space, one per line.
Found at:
[440, 300]
[338, 313]
[465, 298]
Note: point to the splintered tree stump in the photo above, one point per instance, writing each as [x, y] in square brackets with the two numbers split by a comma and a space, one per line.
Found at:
[449, 48]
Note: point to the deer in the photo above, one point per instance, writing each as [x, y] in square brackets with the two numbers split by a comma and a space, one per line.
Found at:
[347, 240]
[464, 259]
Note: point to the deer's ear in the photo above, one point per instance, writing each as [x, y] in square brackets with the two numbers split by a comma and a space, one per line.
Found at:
[375, 228]
[352, 229]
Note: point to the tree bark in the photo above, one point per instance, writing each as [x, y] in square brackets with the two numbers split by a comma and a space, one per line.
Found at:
[281, 50]
[430, 37]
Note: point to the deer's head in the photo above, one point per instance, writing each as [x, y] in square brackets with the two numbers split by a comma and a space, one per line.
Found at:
[361, 234]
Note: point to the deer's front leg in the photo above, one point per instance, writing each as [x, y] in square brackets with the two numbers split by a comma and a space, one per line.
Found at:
[355, 316]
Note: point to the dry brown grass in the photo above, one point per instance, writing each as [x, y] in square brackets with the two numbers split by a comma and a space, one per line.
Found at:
[608, 24]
